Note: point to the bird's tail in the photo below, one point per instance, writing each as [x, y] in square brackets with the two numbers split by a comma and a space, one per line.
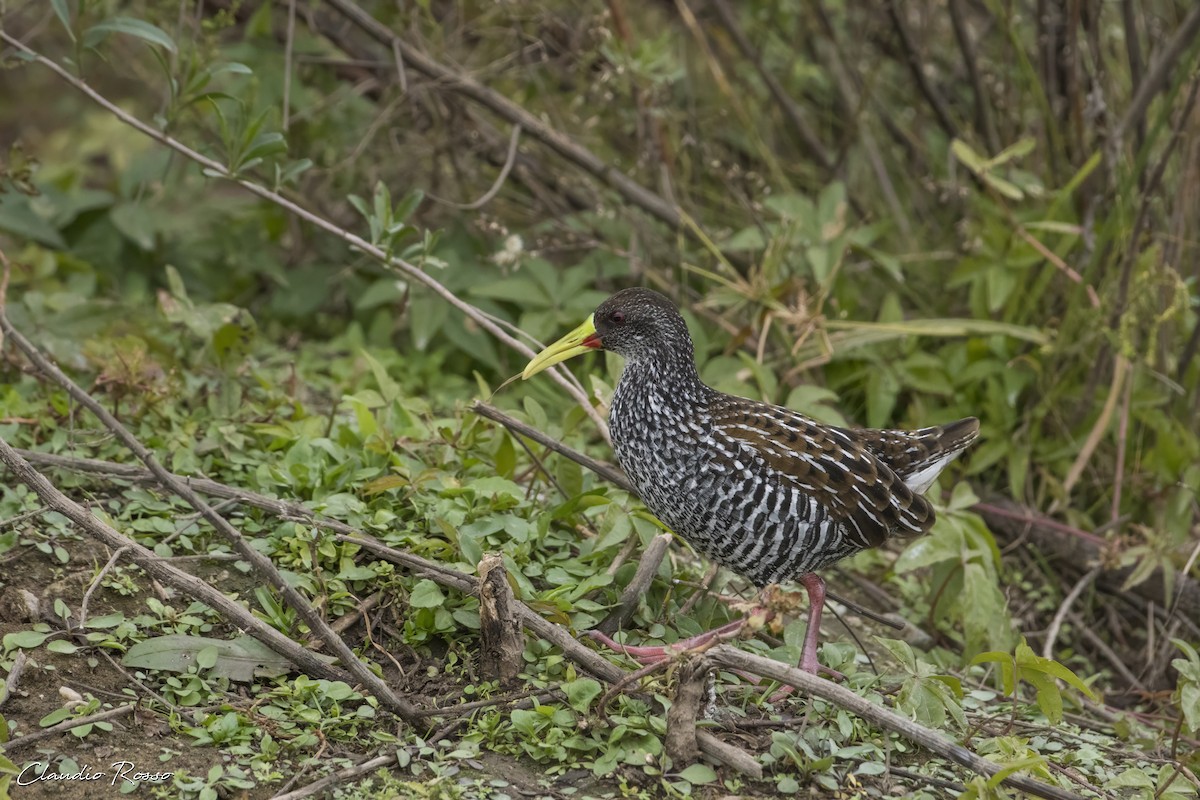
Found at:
[917, 457]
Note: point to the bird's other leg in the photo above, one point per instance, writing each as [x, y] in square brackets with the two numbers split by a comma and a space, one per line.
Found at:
[815, 585]
[653, 655]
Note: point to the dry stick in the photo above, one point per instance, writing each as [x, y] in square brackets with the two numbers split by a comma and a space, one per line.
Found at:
[726, 656]
[13, 678]
[12, 745]
[158, 569]
[356, 242]
[341, 776]
[637, 587]
[1122, 440]
[686, 706]
[1158, 76]
[1058, 263]
[95, 584]
[608, 473]
[1061, 614]
[346, 621]
[262, 565]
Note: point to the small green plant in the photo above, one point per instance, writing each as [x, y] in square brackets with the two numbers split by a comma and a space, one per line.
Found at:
[926, 695]
[1026, 666]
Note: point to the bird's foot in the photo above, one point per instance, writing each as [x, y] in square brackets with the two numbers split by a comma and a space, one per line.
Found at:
[655, 655]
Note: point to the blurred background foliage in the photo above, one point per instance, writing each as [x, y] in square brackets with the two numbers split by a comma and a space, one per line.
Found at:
[879, 213]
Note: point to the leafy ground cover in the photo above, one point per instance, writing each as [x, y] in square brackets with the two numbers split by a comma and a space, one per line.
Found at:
[864, 241]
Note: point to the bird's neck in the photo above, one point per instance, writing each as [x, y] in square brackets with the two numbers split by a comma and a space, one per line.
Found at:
[668, 373]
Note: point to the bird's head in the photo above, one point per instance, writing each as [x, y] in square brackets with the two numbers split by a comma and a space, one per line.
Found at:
[631, 323]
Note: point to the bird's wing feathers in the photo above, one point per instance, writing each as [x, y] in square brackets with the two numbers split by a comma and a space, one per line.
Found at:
[832, 466]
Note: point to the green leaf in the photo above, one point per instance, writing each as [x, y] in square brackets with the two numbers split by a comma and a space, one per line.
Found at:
[1022, 147]
[242, 659]
[63, 11]
[581, 693]
[1049, 698]
[207, 657]
[25, 640]
[426, 594]
[1063, 673]
[699, 773]
[387, 387]
[132, 27]
[18, 218]
[968, 157]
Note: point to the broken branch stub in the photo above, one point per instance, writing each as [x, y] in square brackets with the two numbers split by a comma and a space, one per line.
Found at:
[502, 643]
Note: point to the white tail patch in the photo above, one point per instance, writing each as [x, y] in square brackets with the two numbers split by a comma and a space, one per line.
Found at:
[922, 479]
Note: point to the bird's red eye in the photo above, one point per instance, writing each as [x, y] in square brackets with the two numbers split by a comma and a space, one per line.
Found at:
[617, 317]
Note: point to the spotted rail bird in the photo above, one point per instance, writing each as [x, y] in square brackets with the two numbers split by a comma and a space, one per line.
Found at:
[761, 489]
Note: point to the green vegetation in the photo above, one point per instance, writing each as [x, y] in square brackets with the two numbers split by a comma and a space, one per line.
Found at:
[323, 245]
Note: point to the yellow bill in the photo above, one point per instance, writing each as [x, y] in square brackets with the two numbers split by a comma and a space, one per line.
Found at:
[581, 340]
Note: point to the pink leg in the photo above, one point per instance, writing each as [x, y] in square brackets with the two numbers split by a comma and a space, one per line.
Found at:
[816, 604]
[653, 655]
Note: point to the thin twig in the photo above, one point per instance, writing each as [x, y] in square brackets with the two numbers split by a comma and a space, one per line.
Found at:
[1099, 428]
[67, 725]
[983, 116]
[19, 518]
[1122, 439]
[1059, 264]
[1107, 652]
[606, 472]
[87, 596]
[341, 776]
[916, 66]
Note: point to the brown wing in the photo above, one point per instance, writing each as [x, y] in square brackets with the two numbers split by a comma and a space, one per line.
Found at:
[831, 465]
